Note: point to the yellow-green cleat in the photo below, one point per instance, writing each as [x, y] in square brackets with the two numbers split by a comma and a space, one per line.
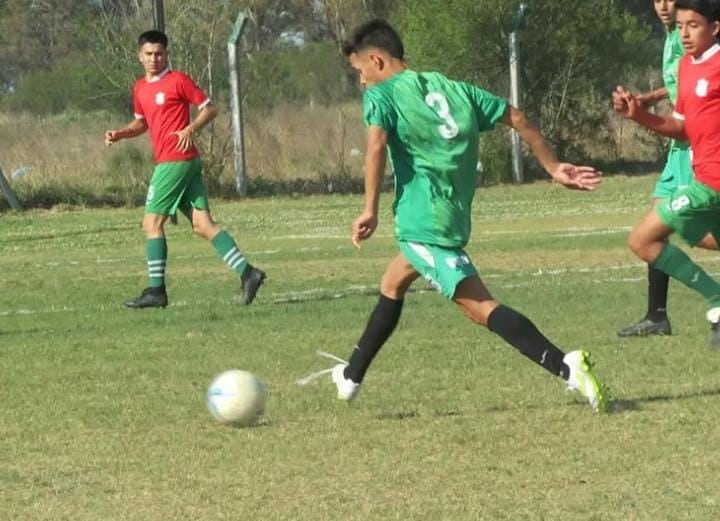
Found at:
[583, 379]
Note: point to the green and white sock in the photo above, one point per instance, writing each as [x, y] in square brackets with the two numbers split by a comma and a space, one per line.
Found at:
[229, 252]
[156, 259]
[675, 262]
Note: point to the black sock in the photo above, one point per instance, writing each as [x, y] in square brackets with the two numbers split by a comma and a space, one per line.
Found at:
[657, 294]
[517, 330]
[380, 326]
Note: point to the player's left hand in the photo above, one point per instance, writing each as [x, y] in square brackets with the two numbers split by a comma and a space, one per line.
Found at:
[363, 227]
[577, 177]
[185, 139]
[626, 103]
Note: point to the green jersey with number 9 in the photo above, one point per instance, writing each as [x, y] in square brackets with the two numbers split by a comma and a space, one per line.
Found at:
[433, 125]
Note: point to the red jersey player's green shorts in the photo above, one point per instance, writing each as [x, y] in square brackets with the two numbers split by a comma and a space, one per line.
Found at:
[677, 173]
[692, 212]
[444, 268]
[177, 184]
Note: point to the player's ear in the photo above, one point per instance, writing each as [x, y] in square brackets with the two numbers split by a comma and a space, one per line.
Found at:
[378, 60]
[716, 29]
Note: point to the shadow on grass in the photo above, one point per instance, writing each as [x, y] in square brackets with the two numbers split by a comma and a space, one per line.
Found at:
[635, 404]
[300, 297]
[616, 406]
[20, 332]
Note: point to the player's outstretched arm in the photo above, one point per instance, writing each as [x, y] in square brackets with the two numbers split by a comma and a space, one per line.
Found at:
[628, 106]
[648, 99]
[568, 175]
[133, 129]
[375, 160]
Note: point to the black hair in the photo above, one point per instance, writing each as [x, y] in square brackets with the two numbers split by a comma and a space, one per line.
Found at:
[709, 9]
[375, 33]
[153, 37]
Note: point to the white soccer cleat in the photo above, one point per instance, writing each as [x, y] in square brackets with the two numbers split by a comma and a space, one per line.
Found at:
[583, 379]
[346, 388]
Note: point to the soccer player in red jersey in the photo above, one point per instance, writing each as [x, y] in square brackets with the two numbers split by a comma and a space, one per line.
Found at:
[162, 100]
[693, 211]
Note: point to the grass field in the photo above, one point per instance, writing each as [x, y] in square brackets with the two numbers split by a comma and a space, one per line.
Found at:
[102, 408]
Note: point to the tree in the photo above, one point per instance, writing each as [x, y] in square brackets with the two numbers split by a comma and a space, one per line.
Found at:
[35, 34]
[573, 53]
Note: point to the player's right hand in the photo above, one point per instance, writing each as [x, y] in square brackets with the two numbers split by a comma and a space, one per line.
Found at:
[574, 177]
[111, 136]
[363, 227]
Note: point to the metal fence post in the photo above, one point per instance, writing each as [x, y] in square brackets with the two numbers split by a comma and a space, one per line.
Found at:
[518, 23]
[8, 193]
[233, 48]
[159, 15]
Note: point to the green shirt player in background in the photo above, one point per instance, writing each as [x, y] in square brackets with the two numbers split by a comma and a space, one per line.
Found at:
[677, 173]
[429, 126]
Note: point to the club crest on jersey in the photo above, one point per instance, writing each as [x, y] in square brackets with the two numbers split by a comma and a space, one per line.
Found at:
[701, 89]
[159, 98]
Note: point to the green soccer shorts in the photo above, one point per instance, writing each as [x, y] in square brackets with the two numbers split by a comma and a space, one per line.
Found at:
[177, 185]
[444, 268]
[677, 173]
[692, 212]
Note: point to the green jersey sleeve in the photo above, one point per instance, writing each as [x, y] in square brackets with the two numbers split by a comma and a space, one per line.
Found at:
[378, 111]
[672, 52]
[489, 108]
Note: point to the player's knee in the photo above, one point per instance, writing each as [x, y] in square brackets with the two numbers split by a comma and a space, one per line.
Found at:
[152, 227]
[394, 289]
[709, 243]
[478, 312]
[635, 243]
[476, 316]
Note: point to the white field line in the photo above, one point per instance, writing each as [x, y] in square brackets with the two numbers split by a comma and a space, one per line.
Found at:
[210, 254]
[317, 294]
[559, 233]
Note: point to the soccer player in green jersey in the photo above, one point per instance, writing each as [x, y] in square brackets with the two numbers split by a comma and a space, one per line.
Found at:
[162, 99]
[429, 126]
[677, 173]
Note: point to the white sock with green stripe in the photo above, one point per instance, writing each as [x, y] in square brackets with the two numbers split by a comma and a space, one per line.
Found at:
[156, 259]
[229, 252]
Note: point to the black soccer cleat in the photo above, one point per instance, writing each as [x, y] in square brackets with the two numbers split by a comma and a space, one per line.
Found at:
[149, 298]
[647, 327]
[252, 279]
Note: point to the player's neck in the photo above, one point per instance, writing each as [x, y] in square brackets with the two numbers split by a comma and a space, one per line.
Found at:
[155, 77]
[701, 56]
[394, 67]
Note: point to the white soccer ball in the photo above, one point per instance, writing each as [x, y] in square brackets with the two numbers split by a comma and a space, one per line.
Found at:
[236, 397]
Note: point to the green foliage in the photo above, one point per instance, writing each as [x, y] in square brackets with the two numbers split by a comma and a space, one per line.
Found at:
[128, 171]
[69, 85]
[495, 157]
[572, 55]
[34, 35]
[313, 72]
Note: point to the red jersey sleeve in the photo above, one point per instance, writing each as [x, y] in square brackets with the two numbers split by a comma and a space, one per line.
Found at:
[192, 92]
[137, 107]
